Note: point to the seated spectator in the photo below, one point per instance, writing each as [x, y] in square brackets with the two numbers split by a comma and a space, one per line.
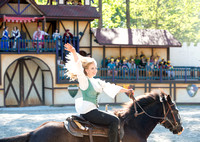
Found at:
[111, 66]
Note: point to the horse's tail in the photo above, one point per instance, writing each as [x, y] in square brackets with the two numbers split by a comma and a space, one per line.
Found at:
[20, 138]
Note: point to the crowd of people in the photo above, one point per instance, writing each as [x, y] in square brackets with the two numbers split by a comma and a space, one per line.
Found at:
[15, 35]
[140, 62]
[73, 2]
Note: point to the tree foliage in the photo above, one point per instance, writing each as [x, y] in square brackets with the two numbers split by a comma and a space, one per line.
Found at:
[180, 17]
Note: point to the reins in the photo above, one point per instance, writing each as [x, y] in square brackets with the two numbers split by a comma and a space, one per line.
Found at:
[165, 118]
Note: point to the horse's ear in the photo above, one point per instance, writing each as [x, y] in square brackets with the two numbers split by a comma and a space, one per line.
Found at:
[169, 100]
[162, 94]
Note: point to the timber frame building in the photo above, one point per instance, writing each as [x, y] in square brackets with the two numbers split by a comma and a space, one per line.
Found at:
[30, 77]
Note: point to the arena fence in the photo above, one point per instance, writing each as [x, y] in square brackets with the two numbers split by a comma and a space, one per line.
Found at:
[38, 46]
[183, 74]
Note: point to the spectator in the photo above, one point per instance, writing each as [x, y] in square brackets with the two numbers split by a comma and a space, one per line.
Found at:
[80, 3]
[142, 63]
[152, 59]
[170, 71]
[56, 35]
[149, 67]
[67, 35]
[5, 36]
[137, 61]
[15, 35]
[158, 59]
[73, 3]
[142, 54]
[125, 67]
[111, 66]
[39, 35]
[118, 64]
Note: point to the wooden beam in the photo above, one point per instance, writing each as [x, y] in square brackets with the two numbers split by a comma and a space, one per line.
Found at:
[84, 31]
[62, 25]
[1, 25]
[77, 24]
[49, 28]
[90, 40]
[27, 31]
[21, 82]
[168, 54]
[0, 69]
[104, 56]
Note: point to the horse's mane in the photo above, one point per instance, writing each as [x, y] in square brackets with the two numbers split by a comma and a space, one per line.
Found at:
[143, 100]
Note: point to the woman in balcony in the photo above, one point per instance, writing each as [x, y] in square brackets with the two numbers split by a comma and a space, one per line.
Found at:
[4, 43]
[84, 69]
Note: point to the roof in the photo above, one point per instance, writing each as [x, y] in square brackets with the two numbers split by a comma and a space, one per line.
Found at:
[136, 37]
[69, 11]
[63, 11]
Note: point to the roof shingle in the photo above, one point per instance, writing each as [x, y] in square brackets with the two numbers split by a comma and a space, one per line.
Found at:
[69, 11]
[136, 37]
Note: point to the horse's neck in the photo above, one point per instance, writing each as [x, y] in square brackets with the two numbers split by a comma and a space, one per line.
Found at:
[143, 124]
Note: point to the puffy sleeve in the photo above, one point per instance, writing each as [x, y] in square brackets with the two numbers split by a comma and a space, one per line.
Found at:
[110, 89]
[77, 69]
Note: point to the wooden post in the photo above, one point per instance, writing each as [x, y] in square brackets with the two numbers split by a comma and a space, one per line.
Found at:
[104, 56]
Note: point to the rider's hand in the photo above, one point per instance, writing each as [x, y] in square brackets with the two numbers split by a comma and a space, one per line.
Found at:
[131, 93]
[69, 48]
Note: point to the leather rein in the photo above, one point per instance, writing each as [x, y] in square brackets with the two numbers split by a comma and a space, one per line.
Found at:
[164, 119]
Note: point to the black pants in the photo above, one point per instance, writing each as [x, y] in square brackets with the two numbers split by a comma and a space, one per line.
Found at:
[103, 118]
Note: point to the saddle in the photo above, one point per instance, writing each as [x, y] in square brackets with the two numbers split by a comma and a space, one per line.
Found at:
[79, 127]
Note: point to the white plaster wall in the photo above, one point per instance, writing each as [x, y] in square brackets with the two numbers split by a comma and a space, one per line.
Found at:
[187, 55]
[1, 98]
[183, 97]
[48, 97]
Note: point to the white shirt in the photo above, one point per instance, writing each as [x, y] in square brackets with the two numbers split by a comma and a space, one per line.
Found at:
[100, 86]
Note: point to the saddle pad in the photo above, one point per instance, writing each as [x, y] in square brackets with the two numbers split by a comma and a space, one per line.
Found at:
[79, 129]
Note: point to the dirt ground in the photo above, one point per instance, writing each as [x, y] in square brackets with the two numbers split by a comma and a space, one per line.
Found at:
[15, 121]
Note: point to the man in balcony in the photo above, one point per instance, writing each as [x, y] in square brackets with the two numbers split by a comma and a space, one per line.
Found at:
[39, 35]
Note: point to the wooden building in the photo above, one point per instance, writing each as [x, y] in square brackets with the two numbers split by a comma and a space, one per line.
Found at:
[29, 77]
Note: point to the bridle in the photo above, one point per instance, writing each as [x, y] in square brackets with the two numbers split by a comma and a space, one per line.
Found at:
[164, 119]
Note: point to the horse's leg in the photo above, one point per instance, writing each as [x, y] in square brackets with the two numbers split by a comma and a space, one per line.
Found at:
[53, 132]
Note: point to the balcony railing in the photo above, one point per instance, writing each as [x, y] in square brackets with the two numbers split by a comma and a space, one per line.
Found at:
[38, 46]
[183, 74]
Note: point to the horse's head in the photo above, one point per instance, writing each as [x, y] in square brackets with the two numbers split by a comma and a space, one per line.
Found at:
[172, 120]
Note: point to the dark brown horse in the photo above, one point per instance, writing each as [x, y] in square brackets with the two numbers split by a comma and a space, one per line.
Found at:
[153, 108]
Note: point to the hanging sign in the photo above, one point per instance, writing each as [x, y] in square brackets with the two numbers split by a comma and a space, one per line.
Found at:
[73, 90]
[192, 90]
